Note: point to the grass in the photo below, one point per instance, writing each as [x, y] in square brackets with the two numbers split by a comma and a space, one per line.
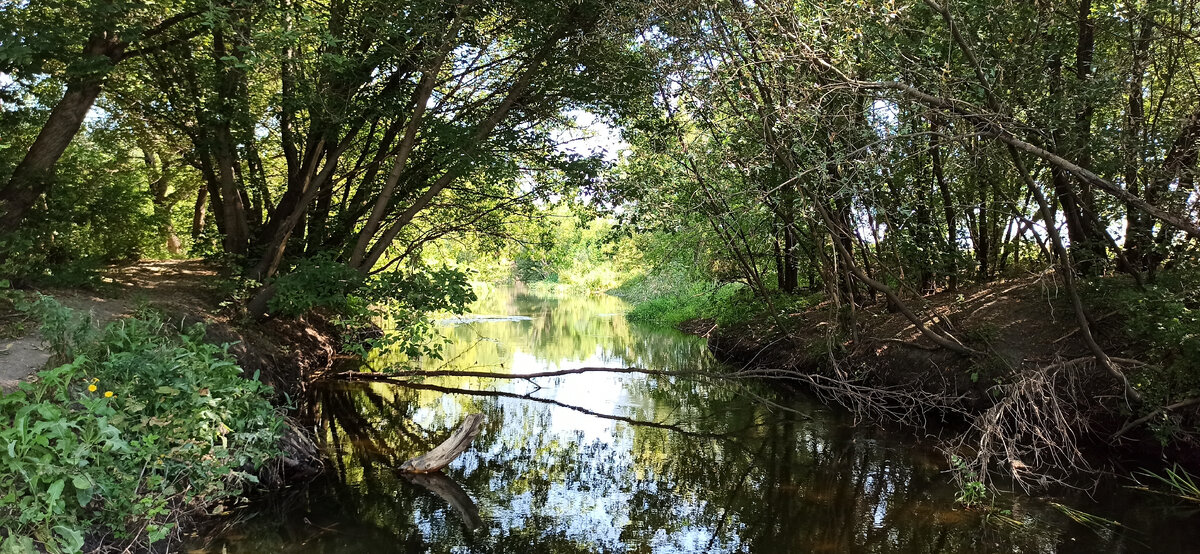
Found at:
[1178, 482]
[670, 310]
[729, 304]
[1093, 522]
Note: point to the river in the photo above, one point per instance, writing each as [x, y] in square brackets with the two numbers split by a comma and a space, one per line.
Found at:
[603, 462]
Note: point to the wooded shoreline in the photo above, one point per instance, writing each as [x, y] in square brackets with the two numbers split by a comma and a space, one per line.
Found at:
[1015, 322]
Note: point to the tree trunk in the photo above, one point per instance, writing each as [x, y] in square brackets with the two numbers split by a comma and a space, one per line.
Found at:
[233, 210]
[34, 175]
[198, 213]
[939, 177]
[1138, 225]
[923, 234]
[237, 233]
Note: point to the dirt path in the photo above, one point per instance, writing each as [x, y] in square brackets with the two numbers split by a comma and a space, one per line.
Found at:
[175, 286]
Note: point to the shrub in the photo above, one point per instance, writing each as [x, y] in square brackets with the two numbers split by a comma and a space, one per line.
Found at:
[97, 213]
[143, 421]
[397, 303]
[1165, 316]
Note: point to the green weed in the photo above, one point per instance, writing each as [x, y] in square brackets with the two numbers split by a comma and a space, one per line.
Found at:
[141, 421]
[972, 492]
[1178, 482]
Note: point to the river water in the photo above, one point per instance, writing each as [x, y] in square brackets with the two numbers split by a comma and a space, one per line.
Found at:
[603, 462]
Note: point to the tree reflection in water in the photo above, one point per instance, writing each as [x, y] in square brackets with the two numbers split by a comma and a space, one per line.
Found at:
[624, 463]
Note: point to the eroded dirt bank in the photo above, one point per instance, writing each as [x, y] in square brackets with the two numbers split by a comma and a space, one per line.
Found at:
[1023, 326]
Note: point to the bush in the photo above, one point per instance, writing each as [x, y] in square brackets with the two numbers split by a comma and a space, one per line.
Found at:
[1165, 317]
[97, 213]
[669, 310]
[320, 281]
[142, 422]
[727, 305]
[398, 303]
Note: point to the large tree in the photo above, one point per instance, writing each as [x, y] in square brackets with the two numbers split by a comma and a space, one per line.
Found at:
[77, 45]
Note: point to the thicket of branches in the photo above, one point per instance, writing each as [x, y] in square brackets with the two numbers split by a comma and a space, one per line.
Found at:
[883, 151]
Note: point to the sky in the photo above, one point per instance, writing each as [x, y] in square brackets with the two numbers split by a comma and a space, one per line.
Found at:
[592, 136]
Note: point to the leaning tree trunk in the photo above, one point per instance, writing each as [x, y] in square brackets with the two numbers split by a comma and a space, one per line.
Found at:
[32, 177]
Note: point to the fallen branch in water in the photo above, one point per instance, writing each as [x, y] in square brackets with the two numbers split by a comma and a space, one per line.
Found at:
[391, 376]
[902, 404]
[1152, 415]
[580, 409]
[451, 448]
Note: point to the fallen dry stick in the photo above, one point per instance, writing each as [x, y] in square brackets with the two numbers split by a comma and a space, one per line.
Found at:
[450, 449]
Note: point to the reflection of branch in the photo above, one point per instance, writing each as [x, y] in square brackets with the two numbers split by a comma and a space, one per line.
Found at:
[580, 409]
[449, 490]
[391, 377]
[904, 404]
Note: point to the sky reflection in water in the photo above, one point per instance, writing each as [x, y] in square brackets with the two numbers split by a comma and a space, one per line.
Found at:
[680, 466]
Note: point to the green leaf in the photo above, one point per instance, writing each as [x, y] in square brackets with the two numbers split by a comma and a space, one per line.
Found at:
[72, 539]
[83, 489]
[55, 491]
[17, 544]
[170, 391]
[84, 496]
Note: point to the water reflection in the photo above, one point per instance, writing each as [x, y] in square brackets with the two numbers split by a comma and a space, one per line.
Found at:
[624, 462]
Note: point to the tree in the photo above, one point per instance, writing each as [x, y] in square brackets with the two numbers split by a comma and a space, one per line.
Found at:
[79, 45]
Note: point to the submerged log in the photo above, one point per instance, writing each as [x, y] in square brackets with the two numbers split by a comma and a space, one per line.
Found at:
[446, 452]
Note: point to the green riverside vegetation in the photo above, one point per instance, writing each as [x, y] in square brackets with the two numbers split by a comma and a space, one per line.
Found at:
[141, 424]
[873, 172]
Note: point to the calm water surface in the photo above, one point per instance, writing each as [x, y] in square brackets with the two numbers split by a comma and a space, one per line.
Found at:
[631, 463]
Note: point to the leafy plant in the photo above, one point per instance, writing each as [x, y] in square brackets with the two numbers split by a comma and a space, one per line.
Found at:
[972, 491]
[1164, 316]
[142, 421]
[389, 311]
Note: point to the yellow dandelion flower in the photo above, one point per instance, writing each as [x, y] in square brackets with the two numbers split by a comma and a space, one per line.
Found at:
[91, 388]
[108, 394]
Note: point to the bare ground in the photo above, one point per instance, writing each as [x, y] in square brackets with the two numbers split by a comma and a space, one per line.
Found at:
[286, 353]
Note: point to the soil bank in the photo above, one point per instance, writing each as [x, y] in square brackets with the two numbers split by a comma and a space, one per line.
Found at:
[1022, 324]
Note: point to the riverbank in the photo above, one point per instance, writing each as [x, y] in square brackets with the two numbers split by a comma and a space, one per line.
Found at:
[1035, 374]
[286, 352]
[147, 404]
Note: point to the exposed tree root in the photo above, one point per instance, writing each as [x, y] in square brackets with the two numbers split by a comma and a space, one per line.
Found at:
[1032, 432]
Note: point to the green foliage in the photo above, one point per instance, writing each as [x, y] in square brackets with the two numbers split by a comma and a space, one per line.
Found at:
[401, 304]
[318, 282]
[396, 303]
[670, 310]
[1164, 316]
[728, 305]
[96, 214]
[972, 491]
[143, 421]
[577, 253]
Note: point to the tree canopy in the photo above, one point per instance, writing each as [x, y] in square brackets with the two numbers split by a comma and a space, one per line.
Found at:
[872, 150]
